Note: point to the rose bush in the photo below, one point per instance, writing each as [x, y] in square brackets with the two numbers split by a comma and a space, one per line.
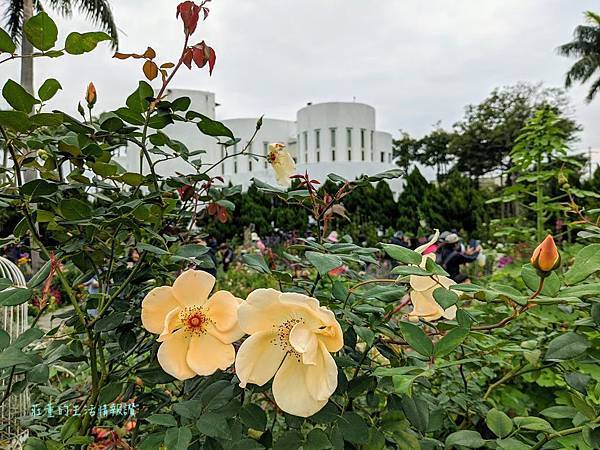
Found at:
[329, 359]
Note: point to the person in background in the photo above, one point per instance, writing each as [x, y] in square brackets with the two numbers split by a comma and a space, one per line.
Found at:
[400, 239]
[455, 258]
[333, 237]
[258, 243]
[226, 255]
[134, 257]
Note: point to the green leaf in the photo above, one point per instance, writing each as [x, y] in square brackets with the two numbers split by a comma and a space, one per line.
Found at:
[47, 119]
[499, 423]
[41, 31]
[290, 440]
[213, 128]
[80, 43]
[6, 43]
[15, 120]
[532, 281]
[27, 337]
[104, 169]
[253, 416]
[132, 179]
[4, 339]
[48, 89]
[402, 254]
[256, 262]
[39, 374]
[109, 393]
[152, 249]
[40, 276]
[448, 343]
[70, 427]
[353, 428]
[416, 338]
[324, 262]
[445, 297]
[192, 250]
[465, 438]
[112, 124]
[38, 188]
[178, 438]
[512, 444]
[138, 101]
[213, 425]
[559, 412]
[586, 263]
[18, 97]
[317, 440]
[416, 411]
[129, 116]
[366, 334]
[15, 296]
[13, 357]
[410, 270]
[533, 423]
[34, 443]
[75, 209]
[110, 322]
[164, 420]
[566, 346]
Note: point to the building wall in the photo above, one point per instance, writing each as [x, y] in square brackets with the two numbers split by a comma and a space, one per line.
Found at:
[335, 137]
[335, 132]
[272, 130]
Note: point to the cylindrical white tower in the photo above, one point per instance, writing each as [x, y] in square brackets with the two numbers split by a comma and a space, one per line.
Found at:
[243, 168]
[337, 131]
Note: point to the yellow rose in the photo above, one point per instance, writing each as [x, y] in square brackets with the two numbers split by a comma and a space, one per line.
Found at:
[422, 287]
[196, 332]
[291, 339]
[282, 162]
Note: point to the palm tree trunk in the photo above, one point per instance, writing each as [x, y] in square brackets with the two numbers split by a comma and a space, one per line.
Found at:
[27, 49]
[27, 83]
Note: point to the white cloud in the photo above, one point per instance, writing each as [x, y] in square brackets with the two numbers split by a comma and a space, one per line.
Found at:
[416, 62]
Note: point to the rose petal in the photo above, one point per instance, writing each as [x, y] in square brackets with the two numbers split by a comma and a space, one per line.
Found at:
[172, 355]
[193, 287]
[155, 307]
[290, 389]
[206, 354]
[258, 358]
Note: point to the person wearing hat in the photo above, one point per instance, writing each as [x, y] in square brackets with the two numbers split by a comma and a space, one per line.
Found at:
[453, 258]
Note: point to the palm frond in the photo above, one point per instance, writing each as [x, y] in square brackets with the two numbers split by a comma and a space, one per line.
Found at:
[64, 7]
[594, 89]
[13, 17]
[100, 13]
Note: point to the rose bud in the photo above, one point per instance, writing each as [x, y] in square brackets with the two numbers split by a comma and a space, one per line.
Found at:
[545, 257]
[91, 96]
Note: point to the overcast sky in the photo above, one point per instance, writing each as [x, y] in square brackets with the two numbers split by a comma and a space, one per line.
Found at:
[416, 61]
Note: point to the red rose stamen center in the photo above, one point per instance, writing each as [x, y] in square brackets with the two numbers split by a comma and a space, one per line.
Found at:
[194, 319]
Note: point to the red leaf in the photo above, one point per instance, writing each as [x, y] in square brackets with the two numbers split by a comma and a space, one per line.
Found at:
[190, 14]
[198, 55]
[187, 57]
[212, 58]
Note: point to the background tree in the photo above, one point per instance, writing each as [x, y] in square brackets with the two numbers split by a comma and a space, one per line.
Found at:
[585, 46]
[485, 136]
[434, 150]
[17, 12]
[405, 149]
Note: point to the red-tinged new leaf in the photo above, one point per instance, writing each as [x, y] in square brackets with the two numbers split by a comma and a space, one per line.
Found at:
[212, 59]
[150, 70]
[188, 57]
[190, 14]
[198, 56]
[168, 65]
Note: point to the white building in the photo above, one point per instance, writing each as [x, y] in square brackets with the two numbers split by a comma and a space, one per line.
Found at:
[336, 137]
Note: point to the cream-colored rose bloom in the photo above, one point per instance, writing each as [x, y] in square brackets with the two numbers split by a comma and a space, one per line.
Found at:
[422, 287]
[195, 331]
[282, 162]
[291, 339]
